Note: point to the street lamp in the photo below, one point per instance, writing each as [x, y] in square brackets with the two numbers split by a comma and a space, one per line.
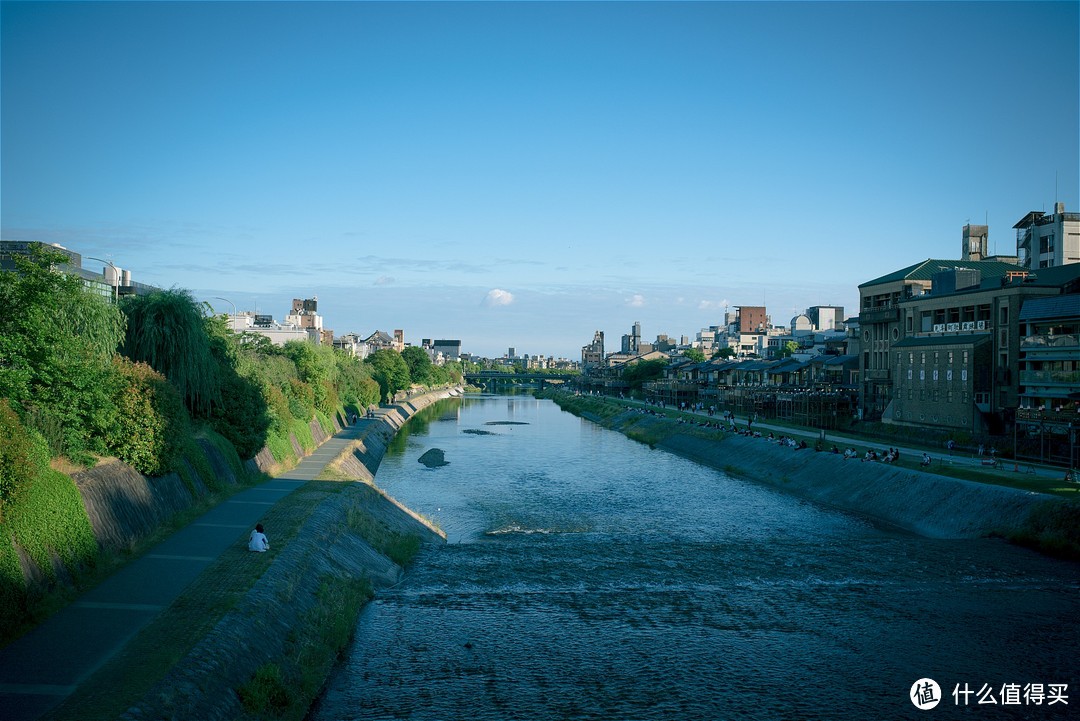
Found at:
[116, 276]
[232, 323]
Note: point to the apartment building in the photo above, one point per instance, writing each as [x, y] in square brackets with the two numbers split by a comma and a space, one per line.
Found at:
[1048, 240]
[949, 356]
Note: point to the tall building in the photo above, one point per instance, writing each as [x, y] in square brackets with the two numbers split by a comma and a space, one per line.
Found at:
[451, 349]
[632, 343]
[942, 342]
[826, 317]
[751, 318]
[1047, 241]
[592, 355]
[974, 245]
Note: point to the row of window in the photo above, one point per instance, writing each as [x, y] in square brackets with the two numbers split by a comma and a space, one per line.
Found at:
[935, 375]
[950, 356]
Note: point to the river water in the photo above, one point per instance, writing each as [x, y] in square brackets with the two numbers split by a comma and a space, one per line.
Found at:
[587, 576]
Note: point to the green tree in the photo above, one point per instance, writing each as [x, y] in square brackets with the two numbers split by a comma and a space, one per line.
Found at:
[243, 414]
[167, 331]
[725, 352]
[788, 349]
[57, 340]
[644, 371]
[694, 354]
[151, 423]
[389, 370]
[419, 364]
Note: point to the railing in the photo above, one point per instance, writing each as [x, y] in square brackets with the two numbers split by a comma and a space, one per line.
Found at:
[1033, 342]
[1034, 415]
[1050, 378]
[879, 315]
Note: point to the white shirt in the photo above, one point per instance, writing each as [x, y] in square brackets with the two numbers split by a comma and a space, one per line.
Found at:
[258, 542]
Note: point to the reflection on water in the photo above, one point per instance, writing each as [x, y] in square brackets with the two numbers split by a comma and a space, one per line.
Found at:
[589, 577]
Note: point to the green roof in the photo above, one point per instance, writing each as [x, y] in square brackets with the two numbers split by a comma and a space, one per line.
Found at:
[926, 270]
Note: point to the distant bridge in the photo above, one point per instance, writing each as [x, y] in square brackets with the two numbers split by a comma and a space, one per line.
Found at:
[494, 378]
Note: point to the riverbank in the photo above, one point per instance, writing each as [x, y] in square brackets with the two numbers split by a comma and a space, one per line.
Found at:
[927, 504]
[255, 635]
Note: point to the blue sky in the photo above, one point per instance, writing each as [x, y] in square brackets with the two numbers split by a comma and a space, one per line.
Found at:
[523, 174]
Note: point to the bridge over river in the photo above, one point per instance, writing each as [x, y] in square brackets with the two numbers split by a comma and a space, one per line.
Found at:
[495, 379]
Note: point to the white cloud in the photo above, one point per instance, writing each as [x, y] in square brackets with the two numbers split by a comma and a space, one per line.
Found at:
[497, 297]
[384, 280]
[637, 301]
[712, 304]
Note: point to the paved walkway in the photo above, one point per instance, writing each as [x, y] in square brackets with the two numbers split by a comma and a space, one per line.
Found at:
[40, 669]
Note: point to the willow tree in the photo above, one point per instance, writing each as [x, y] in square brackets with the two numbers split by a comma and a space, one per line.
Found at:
[166, 330]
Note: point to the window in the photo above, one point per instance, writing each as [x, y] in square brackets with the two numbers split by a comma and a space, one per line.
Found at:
[1003, 314]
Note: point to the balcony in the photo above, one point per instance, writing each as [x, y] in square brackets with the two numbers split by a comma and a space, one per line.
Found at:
[1050, 417]
[890, 314]
[1049, 342]
[1050, 378]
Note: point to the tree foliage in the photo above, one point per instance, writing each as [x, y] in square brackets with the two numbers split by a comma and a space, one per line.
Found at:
[419, 363]
[725, 352]
[167, 331]
[151, 423]
[644, 371]
[389, 370]
[788, 349]
[56, 344]
[694, 354]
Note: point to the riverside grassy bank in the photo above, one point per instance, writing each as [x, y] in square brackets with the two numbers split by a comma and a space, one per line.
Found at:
[256, 635]
[928, 504]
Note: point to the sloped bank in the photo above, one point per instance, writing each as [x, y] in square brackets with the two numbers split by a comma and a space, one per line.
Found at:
[268, 645]
[924, 503]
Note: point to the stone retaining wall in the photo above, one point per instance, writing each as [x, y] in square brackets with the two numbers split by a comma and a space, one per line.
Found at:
[924, 503]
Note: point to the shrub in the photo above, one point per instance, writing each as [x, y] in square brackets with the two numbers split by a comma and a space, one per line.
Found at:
[265, 691]
[22, 454]
[150, 423]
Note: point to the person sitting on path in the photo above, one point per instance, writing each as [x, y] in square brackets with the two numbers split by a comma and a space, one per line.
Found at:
[925, 459]
[257, 541]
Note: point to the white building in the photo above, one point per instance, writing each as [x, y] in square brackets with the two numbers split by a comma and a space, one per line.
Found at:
[1046, 241]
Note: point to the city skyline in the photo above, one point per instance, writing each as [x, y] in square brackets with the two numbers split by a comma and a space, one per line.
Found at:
[523, 174]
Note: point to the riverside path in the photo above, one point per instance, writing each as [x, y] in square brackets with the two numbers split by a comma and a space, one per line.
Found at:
[40, 669]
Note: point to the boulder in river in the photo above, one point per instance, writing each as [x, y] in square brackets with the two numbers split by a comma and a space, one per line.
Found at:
[433, 458]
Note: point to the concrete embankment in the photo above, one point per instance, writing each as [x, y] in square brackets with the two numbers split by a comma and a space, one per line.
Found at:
[328, 554]
[927, 504]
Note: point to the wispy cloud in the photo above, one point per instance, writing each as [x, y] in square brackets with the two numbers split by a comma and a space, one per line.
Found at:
[498, 297]
[636, 301]
[712, 304]
[384, 280]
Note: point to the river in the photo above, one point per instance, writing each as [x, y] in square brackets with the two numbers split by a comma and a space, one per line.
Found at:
[587, 576]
